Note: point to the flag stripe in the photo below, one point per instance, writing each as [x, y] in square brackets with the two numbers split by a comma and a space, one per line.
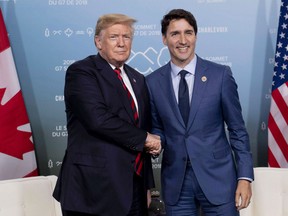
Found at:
[281, 104]
[272, 160]
[275, 153]
[275, 131]
[278, 117]
[33, 173]
[8, 69]
[4, 41]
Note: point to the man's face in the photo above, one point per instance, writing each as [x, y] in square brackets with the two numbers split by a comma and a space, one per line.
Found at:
[114, 44]
[181, 40]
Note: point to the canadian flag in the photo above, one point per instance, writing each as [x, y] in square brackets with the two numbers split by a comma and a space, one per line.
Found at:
[17, 155]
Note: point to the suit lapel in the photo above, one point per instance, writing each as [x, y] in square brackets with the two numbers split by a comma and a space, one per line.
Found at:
[135, 86]
[109, 75]
[201, 79]
[165, 83]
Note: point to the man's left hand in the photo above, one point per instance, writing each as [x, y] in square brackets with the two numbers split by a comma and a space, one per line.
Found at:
[243, 194]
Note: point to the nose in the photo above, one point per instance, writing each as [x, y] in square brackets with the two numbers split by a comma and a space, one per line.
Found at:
[121, 41]
[182, 39]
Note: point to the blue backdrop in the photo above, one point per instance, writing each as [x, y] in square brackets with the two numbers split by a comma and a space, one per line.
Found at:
[47, 36]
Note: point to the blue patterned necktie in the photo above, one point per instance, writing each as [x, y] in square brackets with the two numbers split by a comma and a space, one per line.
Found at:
[183, 97]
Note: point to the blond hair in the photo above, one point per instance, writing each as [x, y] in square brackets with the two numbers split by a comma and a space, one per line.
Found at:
[107, 20]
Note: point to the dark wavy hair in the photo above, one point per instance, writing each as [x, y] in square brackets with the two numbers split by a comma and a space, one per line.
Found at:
[177, 14]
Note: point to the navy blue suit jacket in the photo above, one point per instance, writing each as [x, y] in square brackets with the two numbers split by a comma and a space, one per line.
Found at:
[214, 102]
[96, 176]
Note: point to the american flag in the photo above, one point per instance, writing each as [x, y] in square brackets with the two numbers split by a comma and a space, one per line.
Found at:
[278, 117]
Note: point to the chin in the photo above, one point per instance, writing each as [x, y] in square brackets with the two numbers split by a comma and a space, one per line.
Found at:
[123, 59]
[183, 59]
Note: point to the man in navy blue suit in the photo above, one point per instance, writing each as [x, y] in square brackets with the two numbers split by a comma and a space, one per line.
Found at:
[106, 170]
[202, 165]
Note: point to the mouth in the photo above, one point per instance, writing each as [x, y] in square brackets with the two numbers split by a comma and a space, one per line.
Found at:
[183, 49]
[121, 52]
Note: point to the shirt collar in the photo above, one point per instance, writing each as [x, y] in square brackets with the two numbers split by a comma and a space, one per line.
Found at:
[191, 67]
[121, 68]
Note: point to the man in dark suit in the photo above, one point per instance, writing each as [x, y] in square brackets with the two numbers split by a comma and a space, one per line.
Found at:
[192, 102]
[106, 170]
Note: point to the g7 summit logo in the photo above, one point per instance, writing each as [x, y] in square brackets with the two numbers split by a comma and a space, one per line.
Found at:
[148, 61]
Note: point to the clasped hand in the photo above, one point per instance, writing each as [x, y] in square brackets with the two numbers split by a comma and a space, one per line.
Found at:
[153, 144]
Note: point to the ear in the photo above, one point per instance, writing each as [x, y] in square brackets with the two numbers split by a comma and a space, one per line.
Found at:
[164, 40]
[98, 43]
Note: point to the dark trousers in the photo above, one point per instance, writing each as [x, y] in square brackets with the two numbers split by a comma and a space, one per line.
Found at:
[72, 213]
[139, 203]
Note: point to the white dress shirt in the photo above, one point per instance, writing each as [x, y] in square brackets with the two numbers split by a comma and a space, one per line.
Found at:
[189, 77]
[127, 83]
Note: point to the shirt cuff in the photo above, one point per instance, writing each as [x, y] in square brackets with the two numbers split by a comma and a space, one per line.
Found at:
[245, 178]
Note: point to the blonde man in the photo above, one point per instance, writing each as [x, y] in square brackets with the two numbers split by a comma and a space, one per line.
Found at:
[108, 116]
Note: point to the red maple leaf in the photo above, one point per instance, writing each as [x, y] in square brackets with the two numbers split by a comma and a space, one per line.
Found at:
[12, 115]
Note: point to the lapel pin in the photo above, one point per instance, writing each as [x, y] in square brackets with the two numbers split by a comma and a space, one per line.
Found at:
[134, 80]
[204, 79]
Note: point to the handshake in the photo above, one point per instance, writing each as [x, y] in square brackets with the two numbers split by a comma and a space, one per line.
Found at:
[153, 144]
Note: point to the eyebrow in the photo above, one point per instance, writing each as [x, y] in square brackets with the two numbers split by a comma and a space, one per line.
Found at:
[177, 31]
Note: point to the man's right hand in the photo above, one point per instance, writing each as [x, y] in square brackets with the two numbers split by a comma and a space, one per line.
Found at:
[153, 144]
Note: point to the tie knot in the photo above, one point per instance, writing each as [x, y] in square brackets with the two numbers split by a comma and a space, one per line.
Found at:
[117, 70]
[183, 73]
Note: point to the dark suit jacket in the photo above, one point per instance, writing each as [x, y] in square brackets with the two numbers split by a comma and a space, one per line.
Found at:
[214, 102]
[97, 170]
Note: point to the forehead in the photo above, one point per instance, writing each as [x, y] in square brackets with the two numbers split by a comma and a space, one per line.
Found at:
[118, 29]
[178, 25]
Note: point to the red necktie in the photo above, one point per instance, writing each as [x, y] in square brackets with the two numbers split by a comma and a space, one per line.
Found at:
[139, 158]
